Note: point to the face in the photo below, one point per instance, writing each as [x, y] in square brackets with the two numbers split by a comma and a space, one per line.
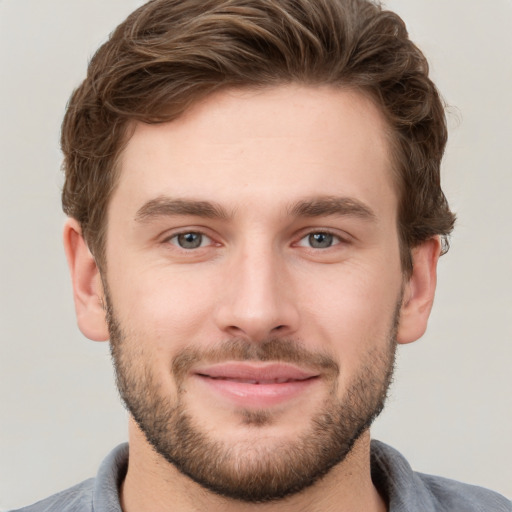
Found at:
[254, 286]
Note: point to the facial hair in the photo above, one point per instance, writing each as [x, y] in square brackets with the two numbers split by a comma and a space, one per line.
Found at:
[249, 471]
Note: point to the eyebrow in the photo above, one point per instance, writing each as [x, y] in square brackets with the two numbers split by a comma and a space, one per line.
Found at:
[332, 205]
[315, 207]
[167, 207]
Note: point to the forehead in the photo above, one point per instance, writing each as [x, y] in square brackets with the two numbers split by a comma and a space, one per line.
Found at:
[270, 146]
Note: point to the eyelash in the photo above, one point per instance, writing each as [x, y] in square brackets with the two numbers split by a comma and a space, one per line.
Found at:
[336, 239]
[185, 233]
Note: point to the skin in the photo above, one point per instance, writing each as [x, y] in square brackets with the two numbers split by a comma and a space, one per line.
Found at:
[256, 155]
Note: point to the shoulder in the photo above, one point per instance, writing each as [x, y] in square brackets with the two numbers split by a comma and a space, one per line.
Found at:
[95, 494]
[452, 495]
[75, 499]
[407, 490]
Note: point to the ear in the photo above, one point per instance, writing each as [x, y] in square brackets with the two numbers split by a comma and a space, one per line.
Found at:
[87, 285]
[419, 291]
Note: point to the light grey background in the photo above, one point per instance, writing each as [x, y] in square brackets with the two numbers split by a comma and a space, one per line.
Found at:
[450, 409]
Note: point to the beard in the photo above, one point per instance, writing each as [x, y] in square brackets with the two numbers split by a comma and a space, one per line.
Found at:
[252, 471]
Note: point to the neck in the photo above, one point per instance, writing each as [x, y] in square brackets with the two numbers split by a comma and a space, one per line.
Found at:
[152, 485]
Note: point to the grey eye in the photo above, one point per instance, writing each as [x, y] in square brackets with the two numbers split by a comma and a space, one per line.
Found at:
[320, 240]
[191, 240]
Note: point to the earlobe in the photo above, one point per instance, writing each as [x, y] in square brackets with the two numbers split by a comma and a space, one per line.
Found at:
[87, 286]
[419, 291]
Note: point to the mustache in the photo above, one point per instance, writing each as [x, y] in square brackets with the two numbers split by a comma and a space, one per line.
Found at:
[273, 349]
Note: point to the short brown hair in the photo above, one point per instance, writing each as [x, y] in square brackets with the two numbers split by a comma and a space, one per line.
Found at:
[169, 54]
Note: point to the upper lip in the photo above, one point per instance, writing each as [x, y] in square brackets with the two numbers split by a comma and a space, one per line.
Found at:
[255, 372]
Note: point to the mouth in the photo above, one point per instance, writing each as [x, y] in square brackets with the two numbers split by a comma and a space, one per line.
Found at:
[278, 380]
[256, 385]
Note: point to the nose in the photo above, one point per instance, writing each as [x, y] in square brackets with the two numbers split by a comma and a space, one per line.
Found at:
[258, 299]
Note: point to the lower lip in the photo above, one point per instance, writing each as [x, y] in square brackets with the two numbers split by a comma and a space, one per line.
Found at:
[257, 395]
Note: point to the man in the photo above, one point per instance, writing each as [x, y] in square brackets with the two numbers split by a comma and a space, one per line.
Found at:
[255, 219]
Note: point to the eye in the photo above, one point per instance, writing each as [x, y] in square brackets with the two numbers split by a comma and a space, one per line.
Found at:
[190, 240]
[319, 240]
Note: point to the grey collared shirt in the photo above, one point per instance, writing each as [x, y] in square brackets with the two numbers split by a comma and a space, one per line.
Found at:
[404, 489]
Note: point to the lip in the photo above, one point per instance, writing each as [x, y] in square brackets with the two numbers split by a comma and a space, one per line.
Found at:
[256, 385]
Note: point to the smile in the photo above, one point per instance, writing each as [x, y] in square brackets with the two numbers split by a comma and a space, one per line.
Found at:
[255, 385]
[278, 380]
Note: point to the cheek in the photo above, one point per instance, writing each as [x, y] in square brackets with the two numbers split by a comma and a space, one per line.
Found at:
[164, 304]
[353, 312]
